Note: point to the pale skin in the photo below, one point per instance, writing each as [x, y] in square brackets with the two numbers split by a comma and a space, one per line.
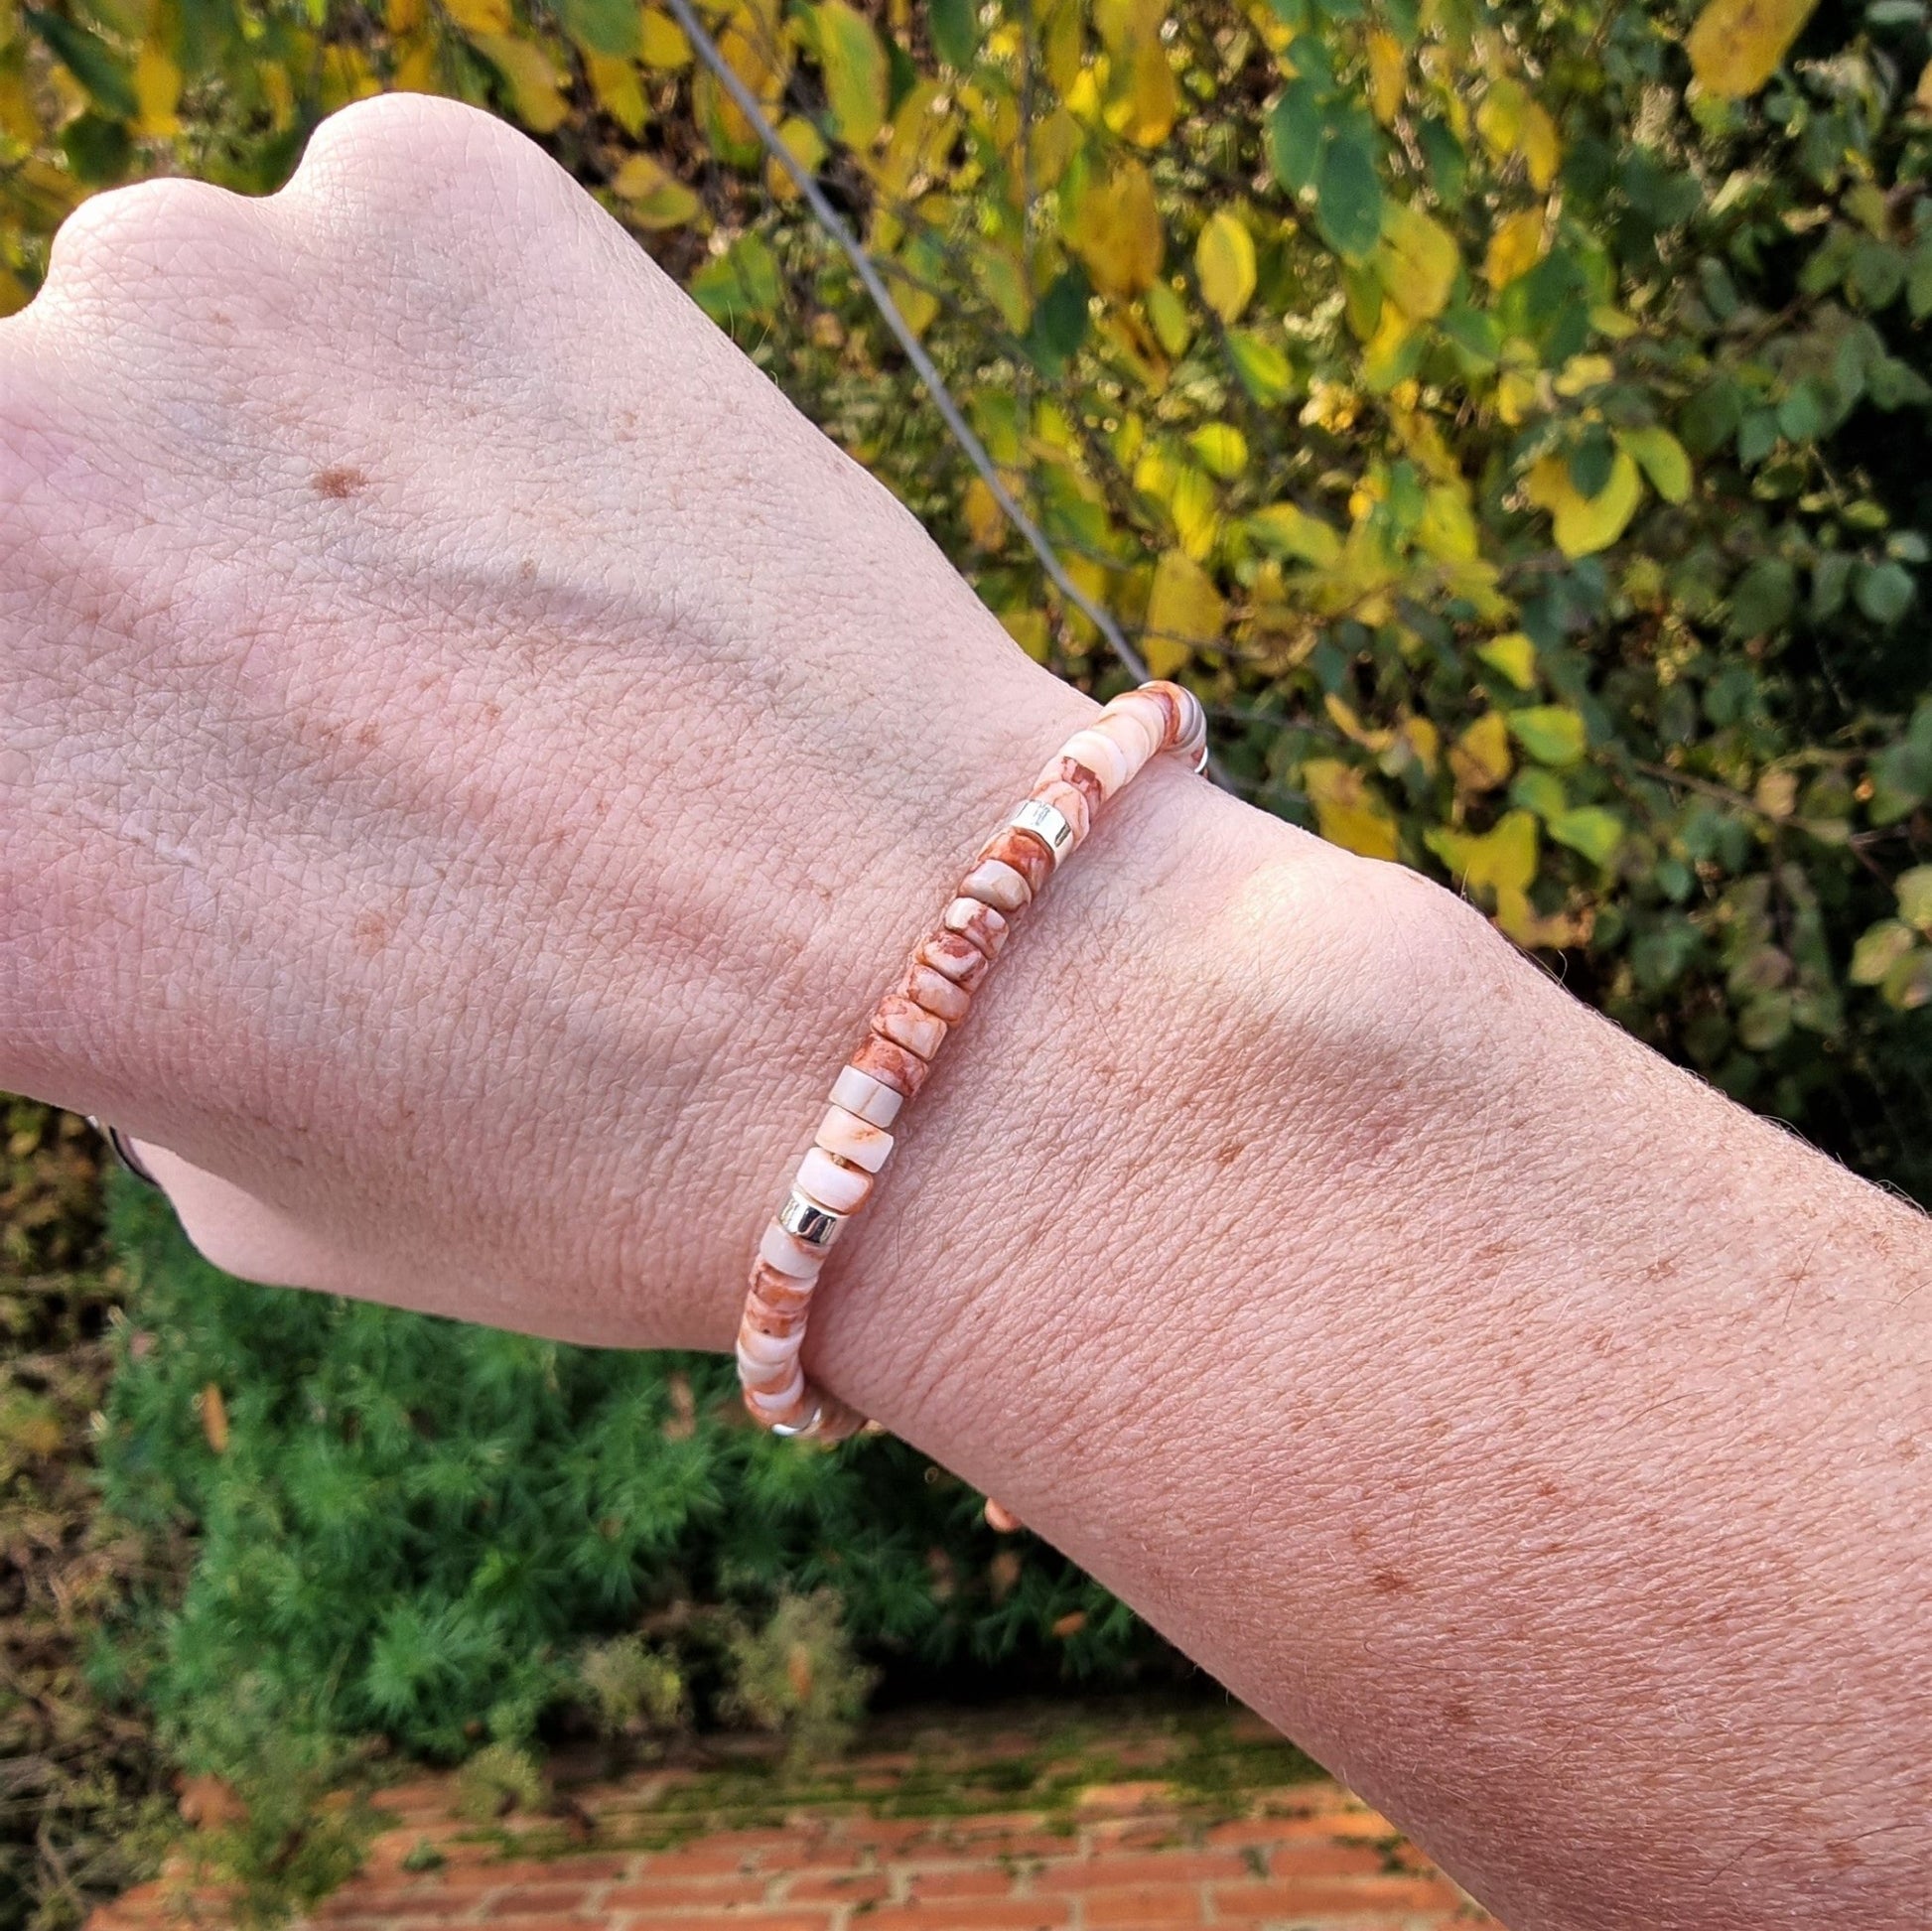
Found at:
[471, 755]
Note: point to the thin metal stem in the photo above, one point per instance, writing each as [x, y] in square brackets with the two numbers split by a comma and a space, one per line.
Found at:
[828, 218]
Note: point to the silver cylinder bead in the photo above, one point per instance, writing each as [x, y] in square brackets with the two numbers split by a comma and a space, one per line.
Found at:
[1048, 824]
[806, 1220]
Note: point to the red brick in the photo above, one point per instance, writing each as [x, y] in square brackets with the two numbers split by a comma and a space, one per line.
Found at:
[372, 1897]
[506, 1872]
[680, 1894]
[1149, 1904]
[713, 1856]
[838, 1887]
[960, 1880]
[1147, 1794]
[1117, 1870]
[1324, 1861]
[971, 1914]
[536, 1899]
[753, 1920]
[1331, 1897]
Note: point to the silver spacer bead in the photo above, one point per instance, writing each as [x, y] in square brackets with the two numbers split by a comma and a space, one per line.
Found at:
[795, 1430]
[806, 1220]
[1046, 824]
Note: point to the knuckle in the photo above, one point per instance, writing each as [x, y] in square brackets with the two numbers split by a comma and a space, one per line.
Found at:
[117, 241]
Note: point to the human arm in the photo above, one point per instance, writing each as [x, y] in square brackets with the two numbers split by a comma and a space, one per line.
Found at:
[472, 756]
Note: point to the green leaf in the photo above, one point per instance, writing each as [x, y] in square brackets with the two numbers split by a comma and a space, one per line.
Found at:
[97, 150]
[1763, 598]
[1296, 127]
[1591, 459]
[1799, 416]
[1883, 591]
[1662, 459]
[1262, 367]
[1060, 323]
[1878, 950]
[1588, 829]
[955, 28]
[603, 26]
[1349, 196]
[1914, 888]
[742, 282]
[1552, 733]
[88, 61]
[855, 70]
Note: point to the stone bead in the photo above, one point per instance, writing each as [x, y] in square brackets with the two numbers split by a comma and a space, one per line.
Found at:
[937, 993]
[759, 1353]
[870, 1098]
[890, 1063]
[822, 1178]
[762, 1313]
[1031, 857]
[906, 1023]
[1163, 700]
[958, 958]
[781, 1295]
[1069, 770]
[986, 928]
[777, 1250]
[1098, 753]
[1136, 732]
[866, 1146]
[1072, 803]
[997, 885]
[782, 1407]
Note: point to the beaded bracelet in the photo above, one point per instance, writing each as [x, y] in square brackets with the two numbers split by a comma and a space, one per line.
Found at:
[910, 1025]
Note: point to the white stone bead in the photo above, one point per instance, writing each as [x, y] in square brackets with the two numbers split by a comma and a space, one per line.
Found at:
[777, 1249]
[1099, 754]
[854, 1139]
[870, 1099]
[822, 1178]
[758, 1354]
[998, 885]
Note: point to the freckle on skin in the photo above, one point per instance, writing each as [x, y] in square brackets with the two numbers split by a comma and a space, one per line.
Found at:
[1459, 1713]
[338, 482]
[1390, 1582]
[1229, 1154]
[371, 933]
[369, 736]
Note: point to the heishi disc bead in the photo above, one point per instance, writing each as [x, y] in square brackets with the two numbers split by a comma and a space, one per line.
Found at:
[1099, 754]
[871, 1099]
[1133, 730]
[997, 885]
[986, 928]
[1070, 802]
[937, 993]
[1162, 701]
[759, 1353]
[1069, 770]
[1031, 857]
[780, 1252]
[765, 1319]
[891, 1065]
[822, 1178]
[784, 1403]
[908, 1023]
[853, 1139]
[783, 1296]
[958, 958]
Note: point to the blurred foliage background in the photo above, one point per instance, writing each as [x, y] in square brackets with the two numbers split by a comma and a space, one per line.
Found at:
[1505, 414]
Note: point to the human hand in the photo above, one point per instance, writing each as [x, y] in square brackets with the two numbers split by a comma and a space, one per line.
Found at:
[472, 749]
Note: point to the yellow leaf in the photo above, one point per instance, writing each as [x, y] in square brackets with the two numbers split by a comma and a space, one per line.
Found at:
[807, 144]
[1663, 460]
[479, 15]
[1737, 45]
[1184, 612]
[415, 70]
[1424, 741]
[986, 521]
[1514, 655]
[1586, 524]
[1387, 66]
[1382, 355]
[662, 46]
[1146, 100]
[655, 198]
[1540, 145]
[1498, 863]
[1583, 372]
[1514, 248]
[1480, 758]
[1922, 93]
[156, 88]
[1224, 259]
[1516, 396]
[532, 81]
[1344, 719]
[1222, 448]
[1116, 231]
[404, 16]
[1447, 530]
[1029, 630]
[613, 81]
[1291, 530]
[1499, 120]
[1418, 262]
[1348, 812]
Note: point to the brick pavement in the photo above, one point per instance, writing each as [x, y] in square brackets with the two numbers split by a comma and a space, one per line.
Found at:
[974, 1828]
